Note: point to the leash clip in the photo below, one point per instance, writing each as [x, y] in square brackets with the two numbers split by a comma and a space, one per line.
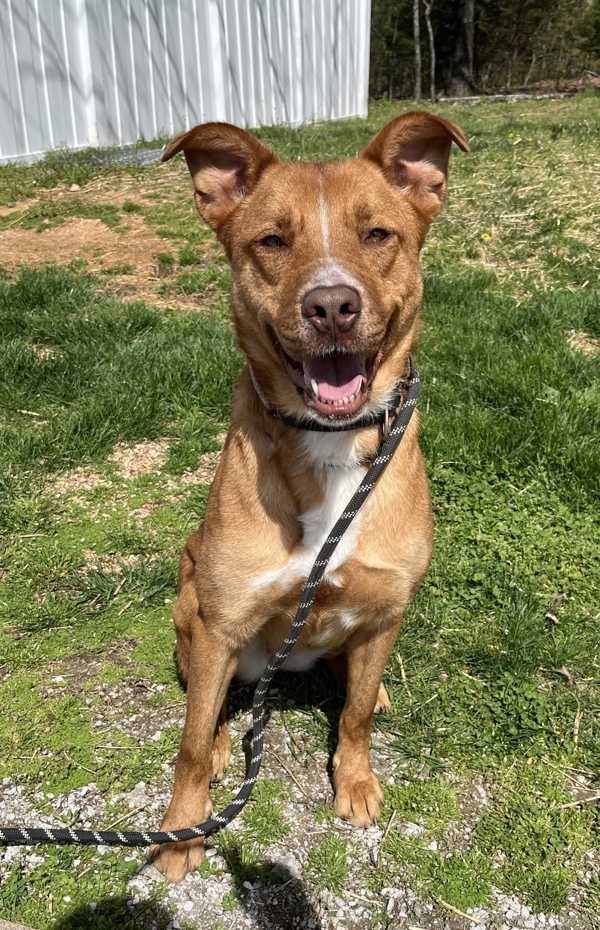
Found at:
[385, 426]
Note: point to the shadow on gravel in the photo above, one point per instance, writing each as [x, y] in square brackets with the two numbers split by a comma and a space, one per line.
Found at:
[315, 691]
[113, 913]
[272, 906]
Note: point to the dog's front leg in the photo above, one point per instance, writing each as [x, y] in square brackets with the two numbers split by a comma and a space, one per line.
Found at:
[211, 667]
[358, 795]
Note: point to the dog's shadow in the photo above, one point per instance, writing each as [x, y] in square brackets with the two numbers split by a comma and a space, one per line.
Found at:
[278, 899]
[285, 906]
[281, 902]
[315, 690]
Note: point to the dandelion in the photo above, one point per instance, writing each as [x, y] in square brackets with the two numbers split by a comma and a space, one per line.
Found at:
[485, 236]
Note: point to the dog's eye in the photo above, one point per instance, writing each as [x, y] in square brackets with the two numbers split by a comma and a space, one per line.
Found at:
[377, 235]
[273, 242]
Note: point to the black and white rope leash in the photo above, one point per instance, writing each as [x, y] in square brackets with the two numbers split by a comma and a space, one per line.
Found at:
[25, 836]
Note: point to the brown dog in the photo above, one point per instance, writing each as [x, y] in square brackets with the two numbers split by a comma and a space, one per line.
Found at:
[326, 295]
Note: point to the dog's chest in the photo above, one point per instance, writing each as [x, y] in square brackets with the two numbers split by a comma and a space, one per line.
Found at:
[336, 467]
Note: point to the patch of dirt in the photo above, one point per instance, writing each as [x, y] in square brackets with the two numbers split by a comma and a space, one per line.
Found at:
[581, 342]
[88, 240]
[80, 479]
[68, 674]
[19, 206]
[205, 472]
[145, 458]
[113, 563]
[157, 185]
[125, 258]
[44, 352]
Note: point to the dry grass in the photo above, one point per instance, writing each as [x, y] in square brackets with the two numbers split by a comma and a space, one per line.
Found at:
[581, 342]
[530, 221]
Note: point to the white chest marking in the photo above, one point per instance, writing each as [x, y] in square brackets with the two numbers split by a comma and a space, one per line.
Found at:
[255, 656]
[334, 457]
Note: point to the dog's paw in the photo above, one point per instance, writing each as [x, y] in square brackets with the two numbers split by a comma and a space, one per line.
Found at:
[221, 753]
[383, 704]
[176, 860]
[358, 797]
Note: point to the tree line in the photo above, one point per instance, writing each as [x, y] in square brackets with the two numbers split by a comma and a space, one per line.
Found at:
[462, 47]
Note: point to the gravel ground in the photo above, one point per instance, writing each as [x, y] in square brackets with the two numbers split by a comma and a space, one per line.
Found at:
[291, 905]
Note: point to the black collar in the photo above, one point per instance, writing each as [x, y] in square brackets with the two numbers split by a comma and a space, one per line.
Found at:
[377, 418]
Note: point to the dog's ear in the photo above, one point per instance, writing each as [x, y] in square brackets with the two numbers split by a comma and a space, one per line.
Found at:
[225, 163]
[413, 152]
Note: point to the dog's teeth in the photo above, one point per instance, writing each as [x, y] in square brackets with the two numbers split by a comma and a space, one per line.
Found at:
[314, 387]
[345, 400]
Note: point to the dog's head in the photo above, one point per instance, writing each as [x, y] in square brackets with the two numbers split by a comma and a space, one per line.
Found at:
[325, 257]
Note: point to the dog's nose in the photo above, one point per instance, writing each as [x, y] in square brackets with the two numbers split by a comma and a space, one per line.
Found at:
[332, 310]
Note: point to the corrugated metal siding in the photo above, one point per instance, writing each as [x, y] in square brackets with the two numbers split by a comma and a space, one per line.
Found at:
[102, 72]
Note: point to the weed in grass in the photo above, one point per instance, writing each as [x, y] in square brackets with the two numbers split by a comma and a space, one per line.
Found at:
[324, 814]
[198, 282]
[536, 842]
[123, 538]
[130, 207]
[188, 255]
[263, 824]
[178, 221]
[327, 864]
[116, 271]
[430, 802]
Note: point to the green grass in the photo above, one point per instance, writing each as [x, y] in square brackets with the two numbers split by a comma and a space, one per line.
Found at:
[510, 419]
[110, 372]
[50, 213]
[327, 865]
[63, 168]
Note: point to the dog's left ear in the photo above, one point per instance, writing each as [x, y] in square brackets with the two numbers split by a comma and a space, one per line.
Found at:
[413, 152]
[225, 163]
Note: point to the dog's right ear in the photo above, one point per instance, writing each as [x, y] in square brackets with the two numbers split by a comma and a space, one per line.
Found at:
[225, 163]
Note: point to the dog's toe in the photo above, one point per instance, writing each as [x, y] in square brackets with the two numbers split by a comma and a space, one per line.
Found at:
[221, 753]
[176, 860]
[383, 704]
[358, 799]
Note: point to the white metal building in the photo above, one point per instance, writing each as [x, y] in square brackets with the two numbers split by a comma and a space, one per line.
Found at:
[102, 72]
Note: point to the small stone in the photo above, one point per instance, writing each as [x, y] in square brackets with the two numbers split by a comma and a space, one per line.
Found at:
[249, 886]
[75, 187]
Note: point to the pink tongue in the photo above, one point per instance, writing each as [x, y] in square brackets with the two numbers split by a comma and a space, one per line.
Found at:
[337, 376]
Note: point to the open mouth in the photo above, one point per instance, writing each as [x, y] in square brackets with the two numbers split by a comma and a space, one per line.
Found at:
[335, 385]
